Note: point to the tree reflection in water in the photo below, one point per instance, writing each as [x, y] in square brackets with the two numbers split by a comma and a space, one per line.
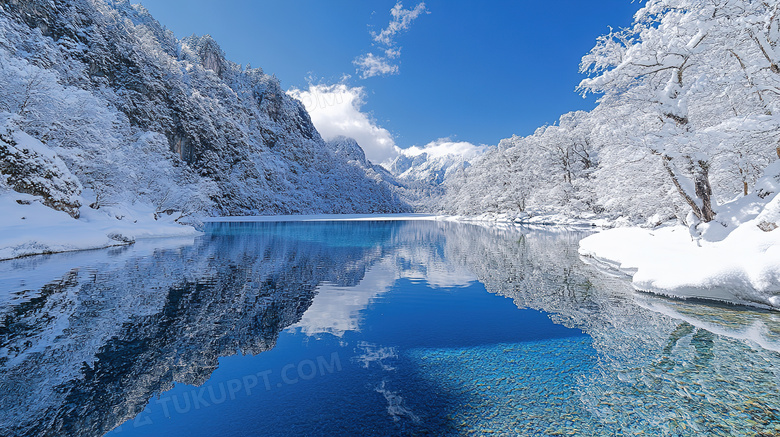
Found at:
[86, 339]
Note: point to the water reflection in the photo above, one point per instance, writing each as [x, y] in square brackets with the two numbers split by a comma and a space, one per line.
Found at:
[87, 339]
[665, 367]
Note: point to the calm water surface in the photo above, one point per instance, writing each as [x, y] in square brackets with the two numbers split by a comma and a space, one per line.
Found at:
[370, 328]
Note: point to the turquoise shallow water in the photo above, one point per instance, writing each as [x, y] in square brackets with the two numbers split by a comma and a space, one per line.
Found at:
[512, 388]
[370, 328]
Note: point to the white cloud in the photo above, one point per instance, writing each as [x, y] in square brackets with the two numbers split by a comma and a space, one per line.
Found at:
[370, 65]
[336, 110]
[445, 146]
[393, 53]
[402, 20]
[337, 309]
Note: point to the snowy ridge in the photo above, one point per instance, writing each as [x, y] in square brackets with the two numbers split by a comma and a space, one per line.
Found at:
[426, 167]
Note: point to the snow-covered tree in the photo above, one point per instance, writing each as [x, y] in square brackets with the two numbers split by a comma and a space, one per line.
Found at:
[686, 120]
[696, 65]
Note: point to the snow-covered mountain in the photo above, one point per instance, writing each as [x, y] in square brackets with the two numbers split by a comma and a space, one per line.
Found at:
[422, 171]
[425, 168]
[433, 163]
[134, 116]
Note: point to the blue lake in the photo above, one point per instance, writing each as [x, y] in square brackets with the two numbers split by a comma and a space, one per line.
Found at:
[370, 328]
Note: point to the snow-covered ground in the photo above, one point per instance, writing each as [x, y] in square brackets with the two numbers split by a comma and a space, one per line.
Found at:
[36, 229]
[735, 258]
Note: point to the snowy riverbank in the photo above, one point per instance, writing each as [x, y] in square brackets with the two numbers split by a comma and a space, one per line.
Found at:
[735, 258]
[743, 269]
[525, 219]
[33, 229]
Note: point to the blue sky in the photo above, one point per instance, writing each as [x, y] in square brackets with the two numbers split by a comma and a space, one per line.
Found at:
[471, 71]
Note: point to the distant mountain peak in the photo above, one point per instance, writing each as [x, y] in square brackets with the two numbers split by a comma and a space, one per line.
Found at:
[430, 166]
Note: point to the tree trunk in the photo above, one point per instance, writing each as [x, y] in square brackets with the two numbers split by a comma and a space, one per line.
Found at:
[702, 188]
[701, 180]
[745, 188]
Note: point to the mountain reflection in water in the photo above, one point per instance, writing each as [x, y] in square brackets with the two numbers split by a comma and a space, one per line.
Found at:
[88, 340]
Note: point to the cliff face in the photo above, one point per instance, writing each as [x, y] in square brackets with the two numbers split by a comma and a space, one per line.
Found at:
[248, 147]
